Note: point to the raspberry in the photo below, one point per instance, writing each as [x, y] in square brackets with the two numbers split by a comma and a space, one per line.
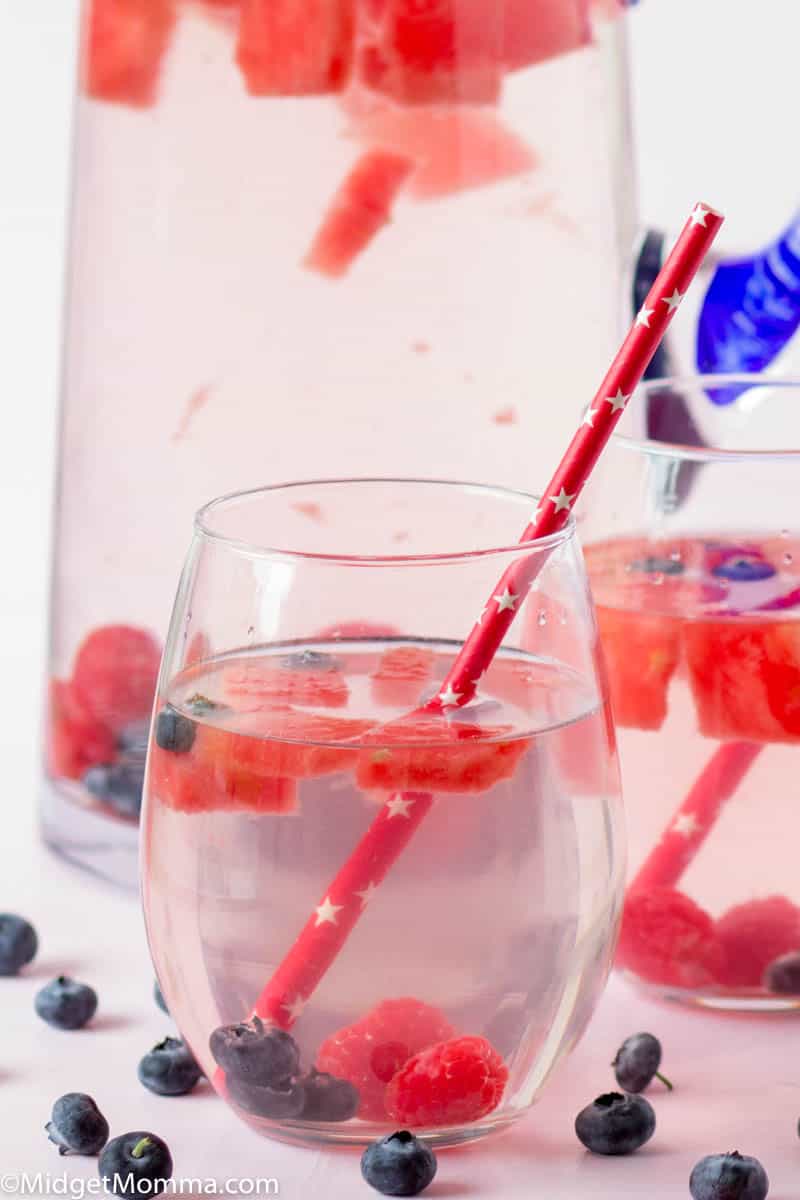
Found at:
[76, 740]
[667, 938]
[116, 670]
[382, 1041]
[754, 934]
[453, 1082]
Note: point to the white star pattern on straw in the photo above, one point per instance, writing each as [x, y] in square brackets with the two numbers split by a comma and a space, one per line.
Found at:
[687, 825]
[698, 215]
[508, 600]
[449, 698]
[327, 912]
[483, 613]
[619, 401]
[643, 317]
[367, 894]
[588, 419]
[294, 1008]
[563, 500]
[399, 806]
[672, 301]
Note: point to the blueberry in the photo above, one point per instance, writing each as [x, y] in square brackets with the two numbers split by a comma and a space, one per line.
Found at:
[65, 1003]
[637, 1063]
[783, 974]
[281, 1102]
[120, 785]
[745, 568]
[174, 731]
[615, 1124]
[398, 1165]
[136, 1164]
[132, 739]
[76, 1125]
[728, 1177]
[311, 660]
[169, 1069]
[327, 1098]
[653, 565]
[256, 1053]
[18, 943]
[158, 996]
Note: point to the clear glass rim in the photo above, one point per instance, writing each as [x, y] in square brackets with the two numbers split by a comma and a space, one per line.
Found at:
[708, 454]
[204, 523]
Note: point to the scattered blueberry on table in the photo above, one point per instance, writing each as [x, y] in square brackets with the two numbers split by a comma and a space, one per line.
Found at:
[174, 731]
[66, 1004]
[169, 1069]
[728, 1177]
[135, 1164]
[18, 943]
[398, 1165]
[76, 1125]
[637, 1062]
[615, 1124]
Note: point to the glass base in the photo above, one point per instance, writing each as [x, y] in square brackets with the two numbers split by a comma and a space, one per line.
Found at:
[753, 1001]
[361, 1134]
[90, 836]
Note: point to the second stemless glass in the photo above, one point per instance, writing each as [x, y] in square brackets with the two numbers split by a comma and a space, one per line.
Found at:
[283, 761]
[694, 557]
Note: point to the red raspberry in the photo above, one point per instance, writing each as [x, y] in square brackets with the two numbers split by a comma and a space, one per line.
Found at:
[667, 938]
[76, 740]
[116, 670]
[365, 1053]
[456, 1081]
[753, 934]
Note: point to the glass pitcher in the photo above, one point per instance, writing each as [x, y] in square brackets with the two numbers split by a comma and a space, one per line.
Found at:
[309, 237]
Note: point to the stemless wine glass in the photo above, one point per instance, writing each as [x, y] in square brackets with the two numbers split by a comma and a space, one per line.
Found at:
[693, 553]
[411, 895]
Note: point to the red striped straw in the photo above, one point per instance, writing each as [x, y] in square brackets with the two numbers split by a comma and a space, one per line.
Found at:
[329, 925]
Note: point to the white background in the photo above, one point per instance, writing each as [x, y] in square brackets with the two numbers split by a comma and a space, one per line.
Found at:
[738, 1079]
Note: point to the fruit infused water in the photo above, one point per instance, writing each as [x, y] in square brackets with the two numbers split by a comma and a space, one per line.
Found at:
[311, 237]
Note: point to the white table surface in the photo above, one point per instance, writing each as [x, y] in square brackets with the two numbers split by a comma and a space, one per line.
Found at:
[738, 1079]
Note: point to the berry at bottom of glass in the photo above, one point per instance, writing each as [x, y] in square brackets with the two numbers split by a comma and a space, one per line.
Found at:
[702, 641]
[474, 964]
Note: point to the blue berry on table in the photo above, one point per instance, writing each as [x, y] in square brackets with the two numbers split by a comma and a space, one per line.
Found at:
[728, 1177]
[18, 943]
[328, 1098]
[615, 1124]
[782, 976]
[169, 1069]
[174, 731]
[135, 1164]
[120, 785]
[66, 1004]
[76, 1125]
[282, 1102]
[158, 996]
[637, 1062]
[398, 1165]
[256, 1053]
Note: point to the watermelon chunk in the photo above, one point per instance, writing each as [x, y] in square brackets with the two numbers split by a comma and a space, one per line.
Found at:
[641, 651]
[358, 211]
[745, 678]
[76, 740]
[537, 30]
[286, 743]
[126, 41]
[194, 784]
[430, 753]
[453, 149]
[252, 686]
[295, 47]
[401, 674]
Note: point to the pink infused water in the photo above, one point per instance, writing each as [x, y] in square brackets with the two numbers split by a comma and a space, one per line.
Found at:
[488, 939]
[702, 641]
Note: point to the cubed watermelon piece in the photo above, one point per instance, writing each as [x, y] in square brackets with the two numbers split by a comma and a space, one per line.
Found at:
[193, 783]
[745, 678]
[126, 41]
[283, 743]
[453, 149]
[401, 674]
[358, 211]
[433, 753]
[76, 740]
[641, 652]
[537, 30]
[433, 51]
[251, 686]
[295, 47]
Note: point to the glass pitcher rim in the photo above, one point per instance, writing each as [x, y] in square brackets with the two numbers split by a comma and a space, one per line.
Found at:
[203, 527]
[708, 454]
